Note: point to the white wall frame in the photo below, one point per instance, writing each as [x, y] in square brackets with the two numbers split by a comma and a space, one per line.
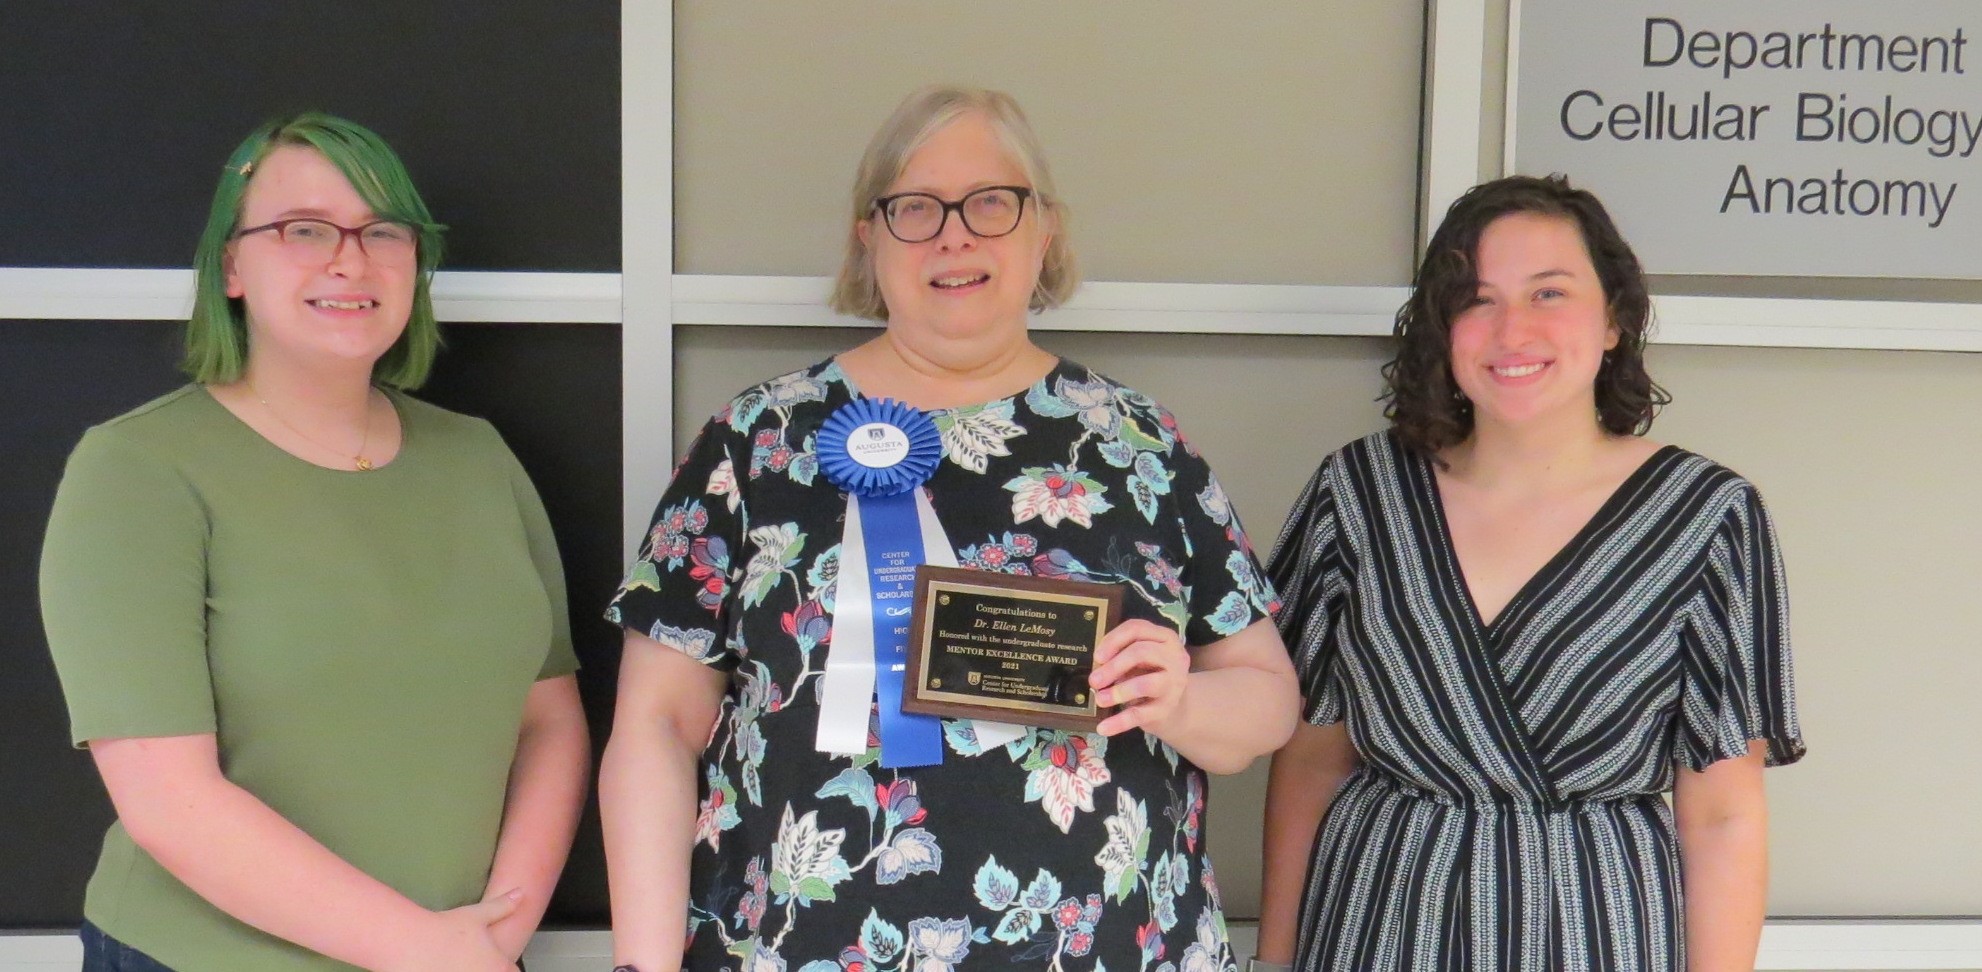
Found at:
[1787, 944]
[1455, 64]
[646, 139]
[1361, 311]
[761, 301]
[1810, 323]
[460, 296]
[1140, 307]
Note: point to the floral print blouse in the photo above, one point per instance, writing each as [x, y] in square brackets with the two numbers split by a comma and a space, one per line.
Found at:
[1061, 850]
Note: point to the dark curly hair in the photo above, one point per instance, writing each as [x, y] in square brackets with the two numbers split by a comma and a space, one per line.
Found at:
[1422, 400]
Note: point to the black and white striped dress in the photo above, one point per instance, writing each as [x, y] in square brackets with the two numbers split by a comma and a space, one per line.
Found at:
[1507, 812]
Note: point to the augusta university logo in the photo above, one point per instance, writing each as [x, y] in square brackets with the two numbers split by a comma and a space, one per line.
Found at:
[877, 445]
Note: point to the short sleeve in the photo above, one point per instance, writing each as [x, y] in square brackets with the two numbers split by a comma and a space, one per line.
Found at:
[1227, 590]
[677, 591]
[560, 659]
[1309, 570]
[123, 594]
[1739, 681]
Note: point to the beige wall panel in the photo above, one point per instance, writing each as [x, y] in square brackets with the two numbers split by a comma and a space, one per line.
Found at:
[1225, 143]
[1868, 460]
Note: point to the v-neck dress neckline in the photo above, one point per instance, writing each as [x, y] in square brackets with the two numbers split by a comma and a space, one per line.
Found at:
[1614, 509]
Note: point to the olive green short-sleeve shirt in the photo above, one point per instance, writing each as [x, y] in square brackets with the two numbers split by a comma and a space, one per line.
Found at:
[361, 644]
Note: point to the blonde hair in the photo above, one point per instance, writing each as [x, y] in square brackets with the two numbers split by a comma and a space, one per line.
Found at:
[920, 116]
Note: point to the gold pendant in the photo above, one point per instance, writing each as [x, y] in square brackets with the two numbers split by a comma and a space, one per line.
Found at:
[364, 464]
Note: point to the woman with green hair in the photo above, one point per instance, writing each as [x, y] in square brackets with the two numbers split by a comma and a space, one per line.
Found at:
[311, 629]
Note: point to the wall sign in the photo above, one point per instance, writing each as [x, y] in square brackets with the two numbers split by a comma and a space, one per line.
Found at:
[1767, 138]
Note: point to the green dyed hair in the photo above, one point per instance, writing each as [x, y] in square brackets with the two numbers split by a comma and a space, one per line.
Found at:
[217, 332]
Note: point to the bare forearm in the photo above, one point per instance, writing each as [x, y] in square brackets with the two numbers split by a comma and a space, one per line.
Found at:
[546, 794]
[247, 860]
[1725, 865]
[1299, 788]
[647, 805]
[1723, 822]
[1232, 716]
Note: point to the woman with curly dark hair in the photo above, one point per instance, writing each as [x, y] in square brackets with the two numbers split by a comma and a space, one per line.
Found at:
[1518, 624]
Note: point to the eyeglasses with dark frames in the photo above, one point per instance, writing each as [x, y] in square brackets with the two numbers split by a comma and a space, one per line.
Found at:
[988, 213]
[310, 240]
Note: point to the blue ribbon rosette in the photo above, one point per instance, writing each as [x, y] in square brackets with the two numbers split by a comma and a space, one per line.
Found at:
[878, 447]
[879, 451]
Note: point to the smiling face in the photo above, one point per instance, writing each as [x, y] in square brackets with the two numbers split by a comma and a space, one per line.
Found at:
[347, 309]
[1531, 343]
[958, 286]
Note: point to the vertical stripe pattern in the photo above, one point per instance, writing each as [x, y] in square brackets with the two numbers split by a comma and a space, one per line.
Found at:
[1508, 813]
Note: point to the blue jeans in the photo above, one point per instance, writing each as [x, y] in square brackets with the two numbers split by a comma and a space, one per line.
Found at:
[101, 953]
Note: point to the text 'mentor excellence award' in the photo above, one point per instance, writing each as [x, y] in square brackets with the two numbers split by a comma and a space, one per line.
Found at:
[1007, 648]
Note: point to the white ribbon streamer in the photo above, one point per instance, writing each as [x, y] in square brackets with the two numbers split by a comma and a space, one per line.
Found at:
[847, 691]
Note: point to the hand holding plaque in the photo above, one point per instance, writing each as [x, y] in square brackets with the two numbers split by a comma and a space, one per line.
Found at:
[1007, 648]
[1141, 674]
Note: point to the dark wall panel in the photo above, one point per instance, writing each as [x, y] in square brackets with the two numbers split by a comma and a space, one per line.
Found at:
[117, 116]
[551, 389]
[57, 378]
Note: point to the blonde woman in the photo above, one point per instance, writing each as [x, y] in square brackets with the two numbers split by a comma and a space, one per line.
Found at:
[791, 838]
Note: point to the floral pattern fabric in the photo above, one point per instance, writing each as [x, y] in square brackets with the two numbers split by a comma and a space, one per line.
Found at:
[1060, 850]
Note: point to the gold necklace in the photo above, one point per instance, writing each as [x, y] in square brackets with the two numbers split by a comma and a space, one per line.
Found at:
[364, 439]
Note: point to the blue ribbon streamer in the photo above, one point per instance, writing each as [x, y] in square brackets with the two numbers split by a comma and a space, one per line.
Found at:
[893, 537]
